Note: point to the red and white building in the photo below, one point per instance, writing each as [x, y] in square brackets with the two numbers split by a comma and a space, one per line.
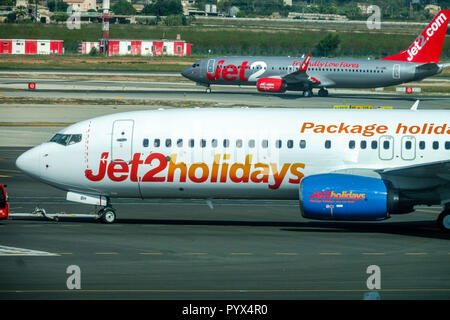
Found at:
[120, 47]
[23, 46]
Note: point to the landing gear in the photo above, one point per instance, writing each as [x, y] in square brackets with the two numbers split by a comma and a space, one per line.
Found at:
[444, 220]
[208, 89]
[323, 92]
[107, 215]
[307, 93]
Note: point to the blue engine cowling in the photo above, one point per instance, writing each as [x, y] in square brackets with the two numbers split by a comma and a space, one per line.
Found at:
[344, 197]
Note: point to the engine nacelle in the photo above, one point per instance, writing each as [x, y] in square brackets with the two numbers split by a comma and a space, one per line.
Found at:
[345, 197]
[271, 85]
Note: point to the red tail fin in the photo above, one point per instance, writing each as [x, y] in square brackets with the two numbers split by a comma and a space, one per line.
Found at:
[305, 63]
[428, 45]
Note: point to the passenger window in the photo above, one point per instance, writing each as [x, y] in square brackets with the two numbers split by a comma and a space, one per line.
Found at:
[168, 143]
[363, 144]
[351, 144]
[157, 143]
[203, 143]
[214, 143]
[327, 144]
[145, 143]
[302, 144]
[180, 143]
[447, 145]
[191, 143]
[226, 143]
[435, 145]
[386, 145]
[290, 144]
[422, 145]
[264, 143]
[374, 144]
[408, 145]
[278, 144]
[251, 143]
[238, 143]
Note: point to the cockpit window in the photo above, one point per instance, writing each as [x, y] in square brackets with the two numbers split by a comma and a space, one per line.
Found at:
[195, 65]
[66, 139]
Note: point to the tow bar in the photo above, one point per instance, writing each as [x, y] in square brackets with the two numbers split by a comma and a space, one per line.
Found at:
[41, 213]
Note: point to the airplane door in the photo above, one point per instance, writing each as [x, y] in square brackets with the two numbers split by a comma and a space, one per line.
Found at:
[386, 148]
[408, 148]
[122, 136]
[210, 67]
[396, 71]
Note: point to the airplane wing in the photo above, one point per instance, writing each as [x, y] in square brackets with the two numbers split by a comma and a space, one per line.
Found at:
[417, 177]
[300, 76]
[421, 182]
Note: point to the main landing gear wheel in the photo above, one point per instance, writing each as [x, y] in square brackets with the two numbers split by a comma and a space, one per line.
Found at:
[107, 215]
[307, 93]
[323, 92]
[208, 90]
[444, 221]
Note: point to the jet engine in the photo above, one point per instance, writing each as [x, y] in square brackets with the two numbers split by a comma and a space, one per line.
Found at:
[349, 198]
[271, 85]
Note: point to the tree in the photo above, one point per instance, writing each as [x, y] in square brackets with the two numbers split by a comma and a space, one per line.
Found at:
[7, 3]
[328, 44]
[11, 17]
[163, 8]
[57, 6]
[123, 7]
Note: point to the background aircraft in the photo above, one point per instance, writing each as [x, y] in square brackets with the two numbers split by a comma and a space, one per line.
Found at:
[278, 74]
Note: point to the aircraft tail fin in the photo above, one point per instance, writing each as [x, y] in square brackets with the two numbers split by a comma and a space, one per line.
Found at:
[305, 63]
[428, 45]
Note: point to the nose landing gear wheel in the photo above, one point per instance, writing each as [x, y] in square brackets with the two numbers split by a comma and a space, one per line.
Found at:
[108, 215]
[307, 93]
[444, 221]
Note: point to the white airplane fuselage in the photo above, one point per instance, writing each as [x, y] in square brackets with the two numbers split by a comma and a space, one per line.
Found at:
[232, 153]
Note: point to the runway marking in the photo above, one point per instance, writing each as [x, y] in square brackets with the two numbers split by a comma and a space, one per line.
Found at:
[13, 251]
[426, 210]
[415, 253]
[197, 253]
[63, 253]
[3, 176]
[10, 170]
[35, 124]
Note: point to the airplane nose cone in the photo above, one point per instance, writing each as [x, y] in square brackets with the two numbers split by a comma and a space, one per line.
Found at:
[186, 72]
[28, 162]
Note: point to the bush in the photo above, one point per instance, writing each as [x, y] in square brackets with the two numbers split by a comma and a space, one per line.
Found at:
[123, 7]
[163, 8]
[11, 17]
[328, 44]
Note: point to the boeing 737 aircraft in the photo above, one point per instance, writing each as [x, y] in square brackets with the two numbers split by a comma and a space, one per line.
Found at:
[342, 164]
[279, 74]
